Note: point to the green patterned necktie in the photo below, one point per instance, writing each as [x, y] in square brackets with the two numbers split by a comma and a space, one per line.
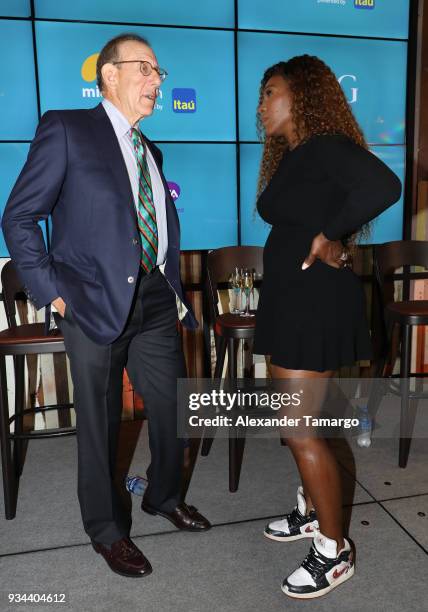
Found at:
[146, 213]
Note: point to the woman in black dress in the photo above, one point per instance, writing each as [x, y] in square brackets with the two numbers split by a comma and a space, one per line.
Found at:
[318, 187]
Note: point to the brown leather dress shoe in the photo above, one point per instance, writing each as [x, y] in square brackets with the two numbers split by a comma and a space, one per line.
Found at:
[183, 517]
[124, 558]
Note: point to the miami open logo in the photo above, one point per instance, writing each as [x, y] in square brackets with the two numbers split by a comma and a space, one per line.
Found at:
[88, 72]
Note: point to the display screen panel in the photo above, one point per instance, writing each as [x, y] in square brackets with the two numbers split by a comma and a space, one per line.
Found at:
[197, 100]
[12, 158]
[18, 100]
[376, 18]
[212, 13]
[202, 181]
[372, 74]
[254, 231]
[206, 206]
[15, 8]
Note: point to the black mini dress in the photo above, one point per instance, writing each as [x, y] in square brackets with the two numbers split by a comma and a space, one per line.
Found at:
[315, 319]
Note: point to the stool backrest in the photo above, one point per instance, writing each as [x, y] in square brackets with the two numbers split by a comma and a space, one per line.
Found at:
[222, 262]
[12, 288]
[390, 256]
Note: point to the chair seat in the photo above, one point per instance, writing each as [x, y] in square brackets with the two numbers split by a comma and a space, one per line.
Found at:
[412, 312]
[230, 324]
[30, 333]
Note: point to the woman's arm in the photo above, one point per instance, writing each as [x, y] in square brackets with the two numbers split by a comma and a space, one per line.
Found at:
[370, 186]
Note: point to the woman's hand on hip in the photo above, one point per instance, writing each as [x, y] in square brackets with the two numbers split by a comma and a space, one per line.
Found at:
[330, 252]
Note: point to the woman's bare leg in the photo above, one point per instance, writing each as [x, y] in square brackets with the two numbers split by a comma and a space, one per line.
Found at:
[317, 465]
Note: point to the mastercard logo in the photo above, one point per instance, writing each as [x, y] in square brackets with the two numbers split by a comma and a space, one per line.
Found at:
[89, 68]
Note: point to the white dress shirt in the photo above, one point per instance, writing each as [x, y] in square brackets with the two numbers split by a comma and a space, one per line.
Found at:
[122, 129]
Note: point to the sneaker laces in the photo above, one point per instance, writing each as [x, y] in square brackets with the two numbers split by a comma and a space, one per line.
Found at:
[316, 563]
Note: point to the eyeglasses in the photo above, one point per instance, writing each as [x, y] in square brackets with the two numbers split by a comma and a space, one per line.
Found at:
[146, 68]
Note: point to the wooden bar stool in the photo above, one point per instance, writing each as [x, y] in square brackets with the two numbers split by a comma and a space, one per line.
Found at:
[229, 329]
[403, 314]
[19, 341]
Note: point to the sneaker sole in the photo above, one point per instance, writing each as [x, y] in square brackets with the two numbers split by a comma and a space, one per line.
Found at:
[322, 592]
[288, 538]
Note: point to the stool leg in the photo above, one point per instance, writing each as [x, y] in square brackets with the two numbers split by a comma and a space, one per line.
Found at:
[236, 442]
[236, 453]
[9, 480]
[207, 442]
[209, 432]
[221, 353]
[248, 359]
[404, 447]
[18, 445]
[377, 389]
[232, 358]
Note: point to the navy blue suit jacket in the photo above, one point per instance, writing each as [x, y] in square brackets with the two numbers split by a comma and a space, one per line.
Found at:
[75, 172]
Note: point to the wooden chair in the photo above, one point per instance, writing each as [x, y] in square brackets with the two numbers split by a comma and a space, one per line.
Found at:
[19, 341]
[229, 329]
[399, 316]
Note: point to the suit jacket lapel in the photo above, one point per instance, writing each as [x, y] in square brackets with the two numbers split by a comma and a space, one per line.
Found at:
[111, 154]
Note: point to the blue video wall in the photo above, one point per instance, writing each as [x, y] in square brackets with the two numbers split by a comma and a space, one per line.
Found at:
[215, 52]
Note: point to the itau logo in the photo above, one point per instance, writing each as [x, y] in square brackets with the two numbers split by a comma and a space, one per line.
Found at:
[364, 4]
[184, 100]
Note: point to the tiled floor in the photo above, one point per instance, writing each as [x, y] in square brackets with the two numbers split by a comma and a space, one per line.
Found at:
[232, 567]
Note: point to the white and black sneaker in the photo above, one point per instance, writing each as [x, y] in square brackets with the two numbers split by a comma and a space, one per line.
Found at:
[322, 570]
[295, 525]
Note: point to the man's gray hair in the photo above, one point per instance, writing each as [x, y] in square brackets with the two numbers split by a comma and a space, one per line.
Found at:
[110, 52]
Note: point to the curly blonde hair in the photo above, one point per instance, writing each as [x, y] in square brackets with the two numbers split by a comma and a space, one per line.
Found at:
[319, 107]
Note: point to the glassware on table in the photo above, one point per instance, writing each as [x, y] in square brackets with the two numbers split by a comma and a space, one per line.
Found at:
[247, 284]
[235, 283]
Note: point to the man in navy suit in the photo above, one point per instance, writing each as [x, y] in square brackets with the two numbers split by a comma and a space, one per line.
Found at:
[112, 275]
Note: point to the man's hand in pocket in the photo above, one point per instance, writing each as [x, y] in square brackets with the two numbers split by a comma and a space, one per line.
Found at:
[59, 305]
